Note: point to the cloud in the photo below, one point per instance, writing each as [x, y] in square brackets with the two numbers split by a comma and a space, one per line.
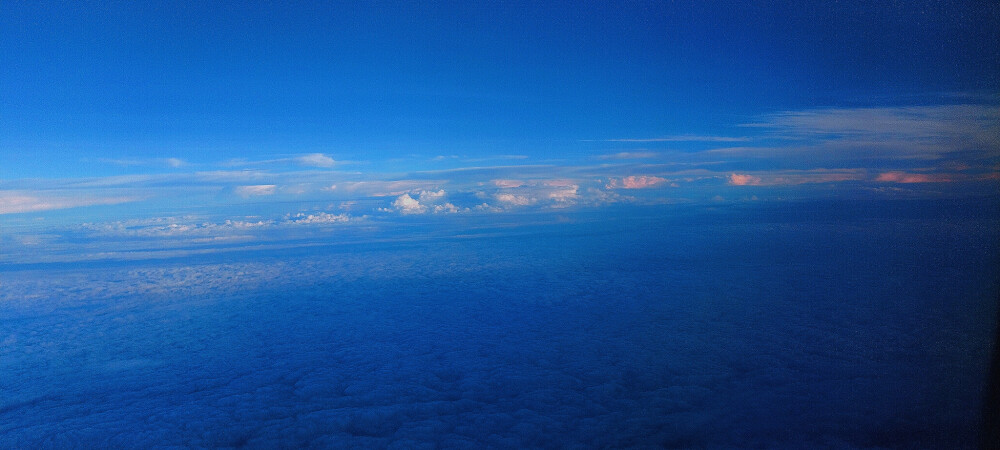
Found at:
[431, 196]
[564, 195]
[629, 155]
[255, 190]
[684, 138]
[634, 182]
[425, 201]
[315, 160]
[447, 208]
[318, 218]
[384, 188]
[891, 132]
[515, 200]
[309, 160]
[168, 162]
[743, 180]
[904, 177]
[508, 183]
[12, 202]
[408, 205]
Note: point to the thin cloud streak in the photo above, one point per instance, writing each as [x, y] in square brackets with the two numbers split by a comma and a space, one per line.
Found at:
[679, 138]
[13, 202]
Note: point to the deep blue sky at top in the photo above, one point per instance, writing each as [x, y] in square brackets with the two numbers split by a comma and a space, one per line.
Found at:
[205, 81]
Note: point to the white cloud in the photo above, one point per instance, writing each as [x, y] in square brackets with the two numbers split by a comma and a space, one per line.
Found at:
[315, 160]
[508, 183]
[431, 196]
[318, 218]
[12, 202]
[565, 195]
[382, 188]
[684, 138]
[629, 155]
[169, 162]
[446, 208]
[408, 205]
[255, 190]
[175, 162]
[514, 199]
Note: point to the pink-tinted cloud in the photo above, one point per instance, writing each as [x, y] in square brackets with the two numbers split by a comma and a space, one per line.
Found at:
[904, 177]
[634, 182]
[743, 180]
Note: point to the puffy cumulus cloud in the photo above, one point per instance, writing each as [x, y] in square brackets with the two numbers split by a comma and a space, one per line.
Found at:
[431, 196]
[255, 190]
[426, 201]
[315, 160]
[12, 202]
[743, 180]
[408, 205]
[635, 182]
[447, 208]
[904, 177]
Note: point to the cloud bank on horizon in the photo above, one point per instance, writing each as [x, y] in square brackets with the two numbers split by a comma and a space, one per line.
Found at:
[860, 147]
[147, 119]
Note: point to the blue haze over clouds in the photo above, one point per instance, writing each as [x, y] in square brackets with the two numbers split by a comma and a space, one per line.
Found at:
[508, 225]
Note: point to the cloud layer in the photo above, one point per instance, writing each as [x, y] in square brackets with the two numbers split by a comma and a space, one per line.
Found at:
[681, 330]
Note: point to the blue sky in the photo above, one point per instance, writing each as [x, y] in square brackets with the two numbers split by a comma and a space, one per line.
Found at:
[497, 224]
[123, 111]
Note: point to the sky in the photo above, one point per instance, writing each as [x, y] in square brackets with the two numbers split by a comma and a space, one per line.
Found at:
[498, 224]
[116, 110]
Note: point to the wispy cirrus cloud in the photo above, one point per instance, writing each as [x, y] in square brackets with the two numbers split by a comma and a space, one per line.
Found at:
[679, 138]
[12, 202]
[887, 132]
[629, 155]
[154, 162]
[309, 160]
[904, 177]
